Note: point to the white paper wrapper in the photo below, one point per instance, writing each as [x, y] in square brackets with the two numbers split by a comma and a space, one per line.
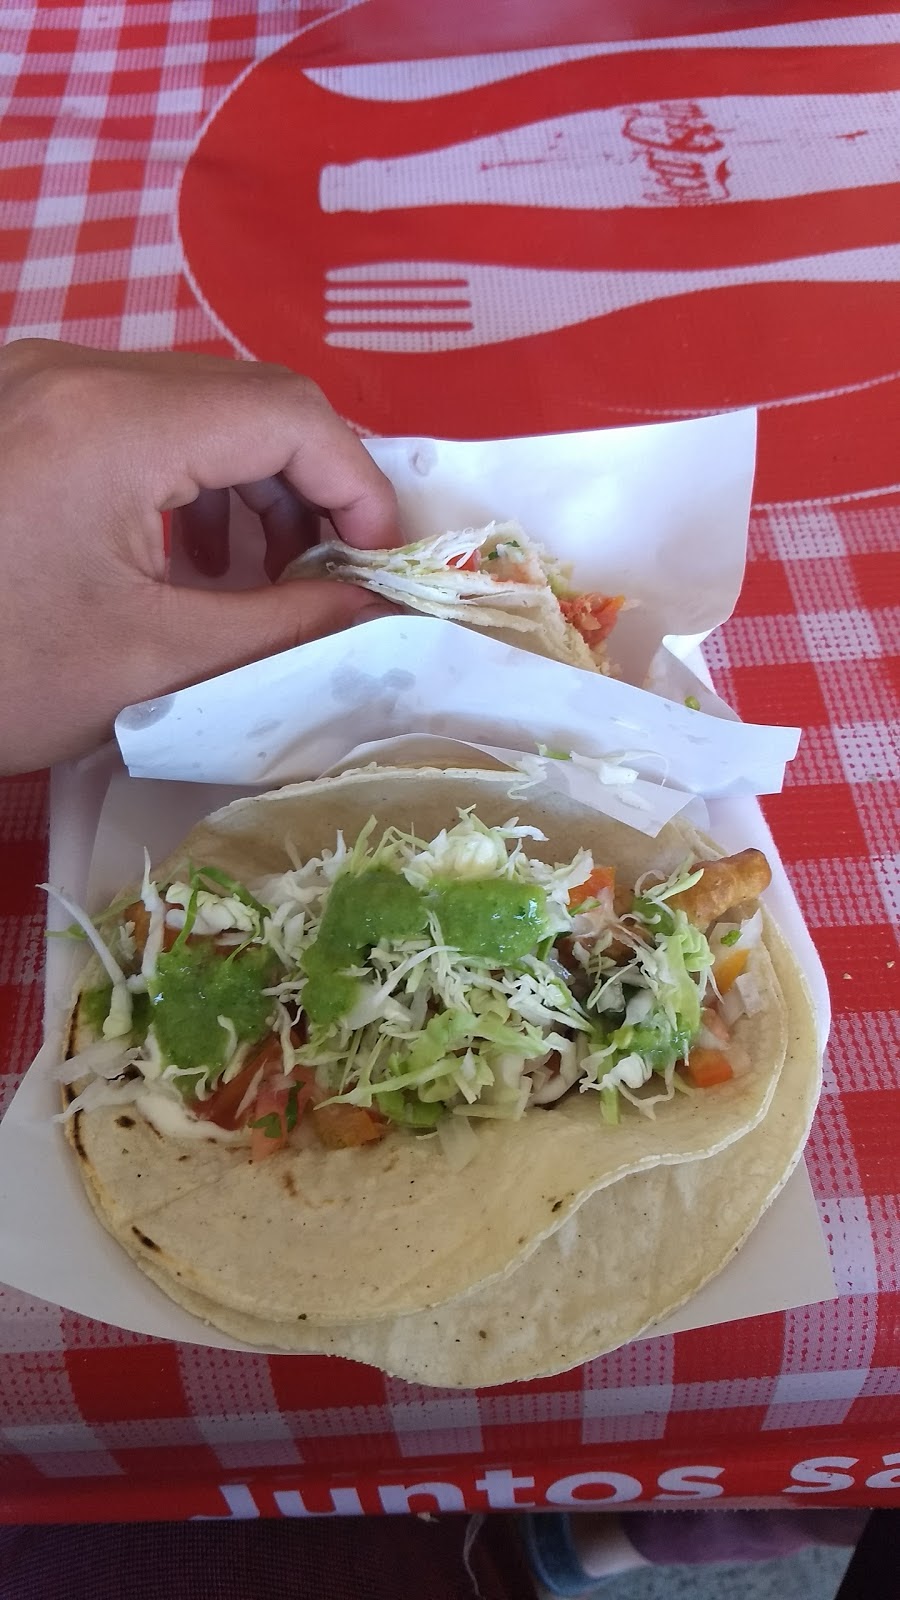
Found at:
[657, 513]
[612, 787]
[296, 714]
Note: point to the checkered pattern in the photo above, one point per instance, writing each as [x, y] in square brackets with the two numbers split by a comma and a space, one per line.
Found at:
[101, 106]
[103, 103]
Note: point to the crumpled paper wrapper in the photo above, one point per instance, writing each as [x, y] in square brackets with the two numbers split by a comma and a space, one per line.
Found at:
[657, 513]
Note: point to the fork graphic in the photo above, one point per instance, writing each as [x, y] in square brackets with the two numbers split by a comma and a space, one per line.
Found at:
[422, 306]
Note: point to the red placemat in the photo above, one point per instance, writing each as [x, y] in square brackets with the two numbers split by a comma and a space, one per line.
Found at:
[106, 106]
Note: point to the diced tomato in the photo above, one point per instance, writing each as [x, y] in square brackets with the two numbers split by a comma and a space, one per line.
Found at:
[269, 1121]
[308, 1091]
[472, 563]
[705, 1068]
[600, 879]
[729, 966]
[594, 615]
[223, 1104]
[343, 1127]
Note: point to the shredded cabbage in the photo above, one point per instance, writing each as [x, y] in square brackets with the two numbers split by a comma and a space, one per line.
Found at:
[105, 1059]
[111, 965]
[458, 1141]
[429, 1034]
[117, 1024]
[156, 910]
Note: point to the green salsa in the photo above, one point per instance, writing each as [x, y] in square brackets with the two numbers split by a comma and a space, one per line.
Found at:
[497, 919]
[95, 1004]
[361, 912]
[657, 1040]
[194, 986]
[328, 993]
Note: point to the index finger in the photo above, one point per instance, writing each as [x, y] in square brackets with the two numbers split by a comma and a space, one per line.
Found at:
[199, 422]
[332, 468]
[262, 421]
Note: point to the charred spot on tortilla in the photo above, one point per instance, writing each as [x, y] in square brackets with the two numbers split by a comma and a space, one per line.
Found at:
[288, 1184]
[557, 1204]
[126, 1122]
[76, 1136]
[144, 1239]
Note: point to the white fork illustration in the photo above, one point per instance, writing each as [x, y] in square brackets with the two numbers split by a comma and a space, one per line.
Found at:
[421, 306]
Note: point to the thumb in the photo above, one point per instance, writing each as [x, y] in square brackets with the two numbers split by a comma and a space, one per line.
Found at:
[204, 633]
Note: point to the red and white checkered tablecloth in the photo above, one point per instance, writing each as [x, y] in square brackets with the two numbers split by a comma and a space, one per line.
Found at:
[102, 153]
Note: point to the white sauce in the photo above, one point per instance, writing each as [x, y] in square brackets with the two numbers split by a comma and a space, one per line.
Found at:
[174, 1121]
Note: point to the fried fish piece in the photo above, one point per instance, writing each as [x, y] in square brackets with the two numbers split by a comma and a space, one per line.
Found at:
[723, 884]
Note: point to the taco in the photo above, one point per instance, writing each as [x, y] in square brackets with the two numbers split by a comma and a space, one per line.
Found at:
[361, 1044]
[493, 579]
[631, 1255]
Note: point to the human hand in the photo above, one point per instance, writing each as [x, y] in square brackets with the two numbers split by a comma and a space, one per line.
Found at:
[94, 448]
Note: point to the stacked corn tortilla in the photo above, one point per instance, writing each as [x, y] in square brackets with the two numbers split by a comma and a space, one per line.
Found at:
[560, 1240]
